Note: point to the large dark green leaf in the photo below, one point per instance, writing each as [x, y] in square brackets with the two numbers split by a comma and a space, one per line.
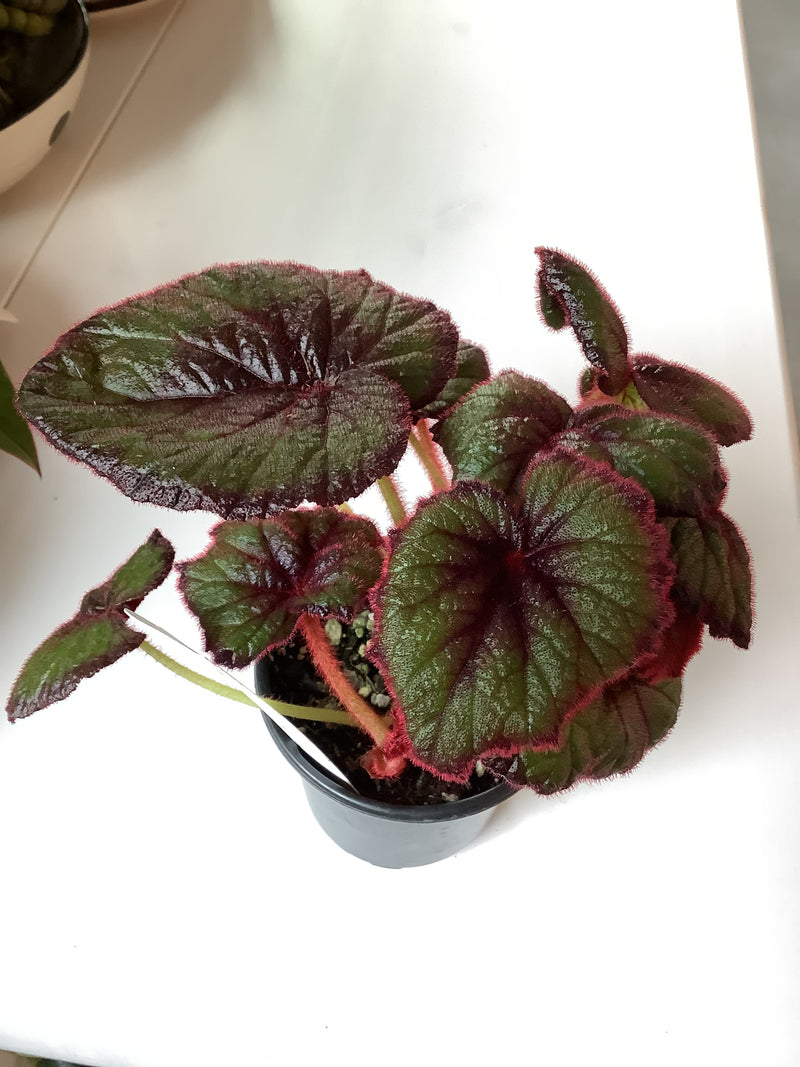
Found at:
[610, 736]
[97, 636]
[250, 587]
[15, 434]
[497, 622]
[245, 388]
[472, 368]
[569, 293]
[675, 462]
[493, 433]
[676, 389]
[713, 577]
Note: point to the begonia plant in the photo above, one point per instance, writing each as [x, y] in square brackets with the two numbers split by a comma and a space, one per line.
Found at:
[533, 616]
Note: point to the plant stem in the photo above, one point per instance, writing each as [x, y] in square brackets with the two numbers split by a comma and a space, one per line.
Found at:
[327, 663]
[423, 445]
[392, 499]
[293, 711]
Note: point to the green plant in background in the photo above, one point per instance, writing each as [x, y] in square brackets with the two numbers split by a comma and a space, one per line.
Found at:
[21, 23]
[15, 436]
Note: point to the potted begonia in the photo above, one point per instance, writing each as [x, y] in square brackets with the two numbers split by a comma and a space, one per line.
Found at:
[527, 625]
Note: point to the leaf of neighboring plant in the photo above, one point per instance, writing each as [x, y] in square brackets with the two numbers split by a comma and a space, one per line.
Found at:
[672, 388]
[675, 462]
[141, 574]
[245, 388]
[493, 433]
[584, 304]
[713, 577]
[472, 368]
[610, 736]
[497, 623]
[250, 587]
[95, 637]
[15, 434]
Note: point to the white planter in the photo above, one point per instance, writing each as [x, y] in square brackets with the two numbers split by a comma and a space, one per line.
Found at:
[26, 141]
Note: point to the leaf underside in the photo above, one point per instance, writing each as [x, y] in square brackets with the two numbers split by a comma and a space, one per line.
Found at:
[245, 388]
[493, 433]
[471, 369]
[97, 636]
[609, 736]
[250, 587]
[713, 578]
[569, 292]
[498, 621]
[15, 434]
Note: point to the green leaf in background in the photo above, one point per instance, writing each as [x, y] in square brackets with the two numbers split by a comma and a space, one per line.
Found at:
[494, 432]
[569, 292]
[250, 587]
[675, 462]
[713, 577]
[472, 368]
[15, 434]
[678, 390]
[497, 622]
[97, 636]
[609, 736]
[246, 388]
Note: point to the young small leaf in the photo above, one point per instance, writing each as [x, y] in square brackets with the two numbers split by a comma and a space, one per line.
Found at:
[493, 433]
[674, 461]
[15, 434]
[97, 636]
[713, 578]
[676, 389]
[609, 736]
[497, 622]
[245, 388]
[250, 587]
[472, 368]
[566, 286]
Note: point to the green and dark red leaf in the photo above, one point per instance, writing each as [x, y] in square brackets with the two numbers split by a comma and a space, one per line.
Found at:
[256, 579]
[97, 636]
[680, 391]
[713, 579]
[674, 461]
[493, 433]
[570, 294]
[498, 621]
[609, 736]
[245, 388]
[472, 369]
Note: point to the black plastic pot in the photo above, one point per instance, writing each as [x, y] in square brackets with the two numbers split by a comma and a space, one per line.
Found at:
[386, 835]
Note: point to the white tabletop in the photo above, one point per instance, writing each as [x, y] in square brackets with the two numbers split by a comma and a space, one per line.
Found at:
[166, 897]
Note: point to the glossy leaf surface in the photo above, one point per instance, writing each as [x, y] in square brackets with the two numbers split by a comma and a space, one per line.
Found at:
[493, 433]
[713, 577]
[566, 285]
[245, 388]
[608, 737]
[95, 637]
[498, 622]
[15, 434]
[674, 461]
[250, 587]
[672, 388]
[472, 368]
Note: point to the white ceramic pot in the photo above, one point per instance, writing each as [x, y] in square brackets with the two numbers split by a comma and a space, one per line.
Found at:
[27, 140]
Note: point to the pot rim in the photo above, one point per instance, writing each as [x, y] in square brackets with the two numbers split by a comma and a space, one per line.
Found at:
[444, 812]
[69, 73]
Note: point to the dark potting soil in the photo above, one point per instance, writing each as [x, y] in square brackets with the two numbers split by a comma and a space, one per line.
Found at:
[294, 679]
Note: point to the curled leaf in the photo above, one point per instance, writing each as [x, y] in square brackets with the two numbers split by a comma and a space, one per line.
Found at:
[97, 636]
[569, 293]
[245, 388]
[609, 736]
[494, 432]
[472, 368]
[678, 390]
[499, 621]
[256, 579]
